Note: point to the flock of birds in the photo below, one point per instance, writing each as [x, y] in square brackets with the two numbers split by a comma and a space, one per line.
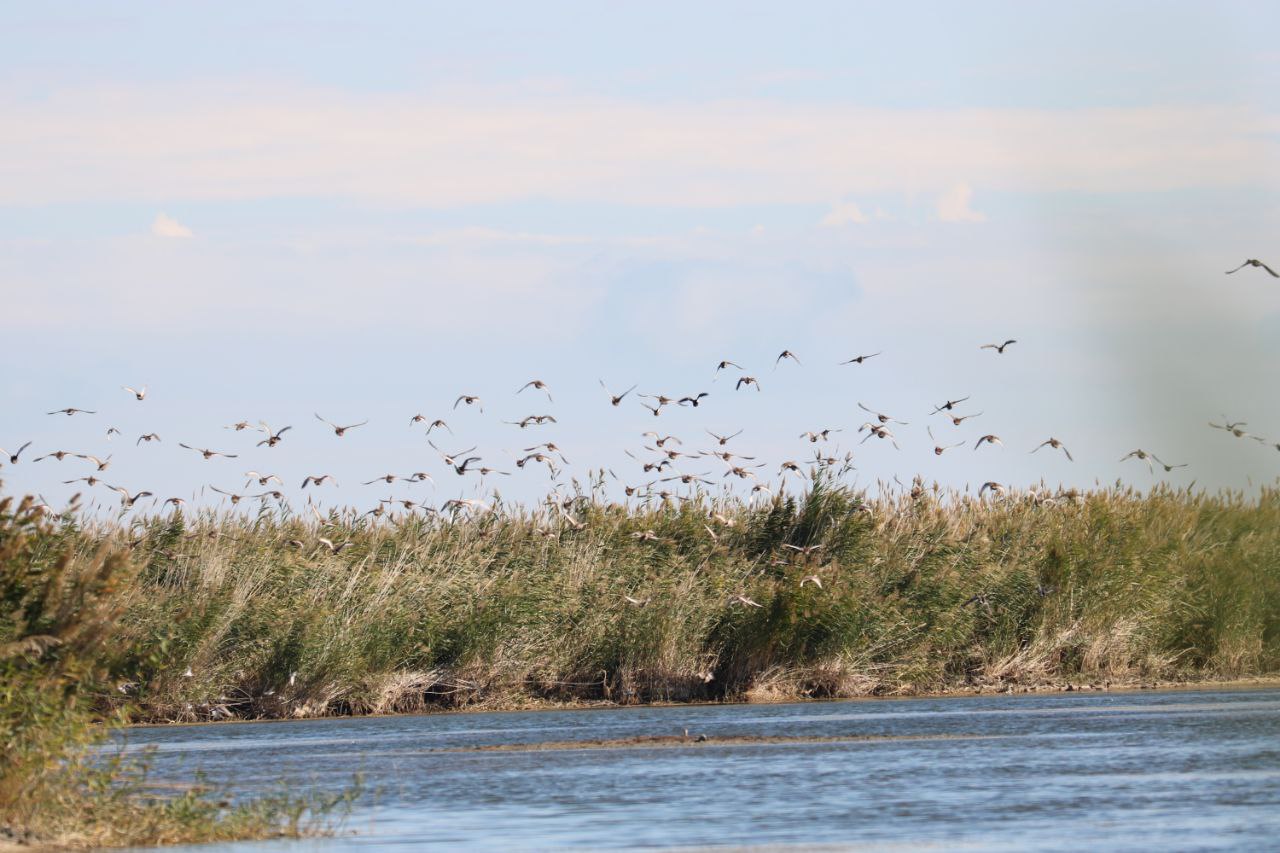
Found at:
[660, 459]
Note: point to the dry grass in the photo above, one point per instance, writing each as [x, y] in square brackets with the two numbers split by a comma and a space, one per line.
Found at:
[919, 593]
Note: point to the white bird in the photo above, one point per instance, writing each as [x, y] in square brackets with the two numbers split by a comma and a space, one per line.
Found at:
[141, 395]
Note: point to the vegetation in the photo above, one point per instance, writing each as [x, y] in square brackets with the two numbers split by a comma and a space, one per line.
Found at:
[234, 615]
[60, 615]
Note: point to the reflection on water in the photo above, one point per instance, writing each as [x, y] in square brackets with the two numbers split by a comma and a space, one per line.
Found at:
[1177, 770]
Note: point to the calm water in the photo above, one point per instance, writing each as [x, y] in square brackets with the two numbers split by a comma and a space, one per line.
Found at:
[1176, 770]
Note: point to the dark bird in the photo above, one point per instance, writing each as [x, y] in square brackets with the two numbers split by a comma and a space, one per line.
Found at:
[13, 457]
[693, 401]
[1254, 262]
[987, 439]
[999, 348]
[72, 410]
[616, 399]
[948, 405]
[470, 400]
[861, 358]
[747, 380]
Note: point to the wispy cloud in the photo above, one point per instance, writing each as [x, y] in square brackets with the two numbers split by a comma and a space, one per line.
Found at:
[843, 213]
[150, 144]
[954, 205]
[167, 226]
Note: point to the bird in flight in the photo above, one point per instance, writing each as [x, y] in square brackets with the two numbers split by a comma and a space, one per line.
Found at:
[273, 438]
[725, 363]
[1254, 262]
[723, 439]
[538, 384]
[339, 431]
[317, 480]
[786, 353]
[149, 437]
[127, 500]
[616, 399]
[861, 358]
[693, 400]
[999, 348]
[101, 464]
[208, 454]
[948, 405]
[988, 439]
[880, 416]
[140, 394]
[72, 410]
[470, 400]
[1056, 444]
[1140, 454]
[747, 380]
[959, 419]
[13, 457]
[940, 449]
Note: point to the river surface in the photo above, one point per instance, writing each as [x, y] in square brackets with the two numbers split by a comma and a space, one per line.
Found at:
[1179, 770]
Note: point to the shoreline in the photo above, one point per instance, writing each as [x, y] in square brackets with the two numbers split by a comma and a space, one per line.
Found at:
[1259, 682]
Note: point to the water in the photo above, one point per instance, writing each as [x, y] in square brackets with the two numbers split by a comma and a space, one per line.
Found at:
[1183, 770]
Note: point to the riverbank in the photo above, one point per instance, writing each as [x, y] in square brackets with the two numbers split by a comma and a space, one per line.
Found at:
[828, 594]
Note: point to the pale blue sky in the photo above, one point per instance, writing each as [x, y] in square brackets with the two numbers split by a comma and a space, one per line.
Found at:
[392, 204]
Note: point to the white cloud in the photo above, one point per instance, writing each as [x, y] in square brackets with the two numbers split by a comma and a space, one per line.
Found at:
[156, 143]
[954, 205]
[167, 226]
[843, 213]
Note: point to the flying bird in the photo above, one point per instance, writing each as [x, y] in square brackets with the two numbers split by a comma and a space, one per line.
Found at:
[860, 358]
[101, 464]
[72, 410]
[317, 480]
[127, 500]
[616, 399]
[538, 384]
[1254, 262]
[273, 438]
[940, 449]
[339, 431]
[13, 457]
[880, 416]
[724, 439]
[141, 395]
[149, 437]
[208, 454]
[786, 353]
[470, 400]
[999, 348]
[988, 439]
[747, 380]
[1056, 444]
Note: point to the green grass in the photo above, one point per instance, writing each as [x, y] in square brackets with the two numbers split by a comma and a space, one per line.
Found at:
[520, 607]
[61, 611]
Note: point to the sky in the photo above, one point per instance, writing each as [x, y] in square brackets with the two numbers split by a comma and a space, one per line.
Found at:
[363, 211]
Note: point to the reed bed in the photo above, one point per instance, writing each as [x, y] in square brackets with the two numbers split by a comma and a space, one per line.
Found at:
[243, 615]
